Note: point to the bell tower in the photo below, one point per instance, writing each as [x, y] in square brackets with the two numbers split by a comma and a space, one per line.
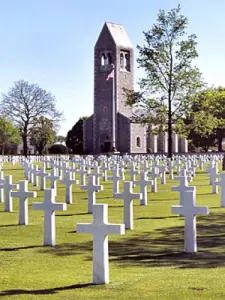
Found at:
[113, 47]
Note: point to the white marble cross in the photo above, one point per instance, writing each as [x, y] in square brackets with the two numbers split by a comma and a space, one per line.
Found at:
[43, 174]
[143, 183]
[105, 169]
[128, 196]
[162, 170]
[189, 210]
[2, 180]
[182, 188]
[82, 172]
[91, 187]
[221, 183]
[53, 178]
[68, 183]
[154, 175]
[212, 172]
[100, 229]
[170, 168]
[116, 178]
[8, 187]
[35, 175]
[132, 172]
[23, 194]
[49, 206]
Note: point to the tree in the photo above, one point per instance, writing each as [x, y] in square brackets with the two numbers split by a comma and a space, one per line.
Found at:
[8, 134]
[171, 80]
[74, 139]
[26, 102]
[42, 134]
[58, 149]
[207, 115]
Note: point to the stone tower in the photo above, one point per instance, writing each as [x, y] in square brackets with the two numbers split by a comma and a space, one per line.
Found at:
[112, 47]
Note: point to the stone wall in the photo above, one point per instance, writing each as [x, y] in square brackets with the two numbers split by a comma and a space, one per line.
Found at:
[138, 132]
[123, 134]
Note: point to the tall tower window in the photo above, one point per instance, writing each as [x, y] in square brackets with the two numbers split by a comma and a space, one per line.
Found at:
[109, 58]
[121, 61]
[106, 60]
[138, 142]
[103, 59]
[125, 61]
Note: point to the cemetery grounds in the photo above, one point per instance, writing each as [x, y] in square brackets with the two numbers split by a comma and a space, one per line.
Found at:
[147, 262]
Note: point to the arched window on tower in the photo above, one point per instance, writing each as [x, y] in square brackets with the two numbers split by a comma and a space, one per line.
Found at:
[121, 61]
[103, 59]
[109, 58]
[127, 62]
[138, 142]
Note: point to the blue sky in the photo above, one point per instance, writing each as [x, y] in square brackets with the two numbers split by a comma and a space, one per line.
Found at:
[50, 42]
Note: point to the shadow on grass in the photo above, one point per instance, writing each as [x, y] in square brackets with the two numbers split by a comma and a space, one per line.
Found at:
[18, 248]
[162, 247]
[43, 291]
[156, 218]
[9, 225]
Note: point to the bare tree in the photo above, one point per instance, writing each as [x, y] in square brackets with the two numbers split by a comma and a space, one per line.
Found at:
[26, 102]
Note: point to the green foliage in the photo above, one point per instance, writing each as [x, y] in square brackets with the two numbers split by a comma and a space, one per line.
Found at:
[171, 80]
[8, 134]
[74, 139]
[24, 103]
[206, 118]
[58, 149]
[42, 134]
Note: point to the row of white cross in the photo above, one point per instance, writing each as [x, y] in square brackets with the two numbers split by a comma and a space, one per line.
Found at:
[100, 228]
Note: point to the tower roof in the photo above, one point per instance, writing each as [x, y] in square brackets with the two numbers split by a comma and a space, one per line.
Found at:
[119, 35]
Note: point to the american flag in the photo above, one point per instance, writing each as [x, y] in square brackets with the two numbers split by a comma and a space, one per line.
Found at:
[110, 75]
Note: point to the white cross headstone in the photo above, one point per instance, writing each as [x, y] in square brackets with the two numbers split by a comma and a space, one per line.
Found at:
[23, 194]
[100, 229]
[116, 178]
[91, 187]
[189, 210]
[8, 187]
[162, 170]
[128, 196]
[2, 180]
[221, 183]
[182, 188]
[49, 207]
[82, 171]
[143, 183]
[154, 175]
[53, 178]
[68, 183]
[170, 168]
[132, 172]
[43, 174]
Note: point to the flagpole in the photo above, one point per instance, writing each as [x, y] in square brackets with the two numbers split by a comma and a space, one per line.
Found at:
[113, 111]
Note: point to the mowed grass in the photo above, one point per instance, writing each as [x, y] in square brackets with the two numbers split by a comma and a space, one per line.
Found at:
[145, 263]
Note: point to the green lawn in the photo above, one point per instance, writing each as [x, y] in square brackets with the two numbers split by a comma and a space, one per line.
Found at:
[145, 263]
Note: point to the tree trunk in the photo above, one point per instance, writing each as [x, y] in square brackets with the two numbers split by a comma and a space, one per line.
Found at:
[170, 140]
[220, 144]
[223, 166]
[25, 147]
